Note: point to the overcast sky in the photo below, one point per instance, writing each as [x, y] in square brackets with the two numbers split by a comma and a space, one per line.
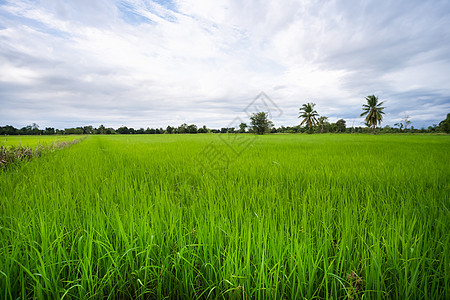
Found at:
[144, 63]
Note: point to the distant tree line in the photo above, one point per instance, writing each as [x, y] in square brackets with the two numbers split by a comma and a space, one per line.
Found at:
[373, 112]
[260, 124]
[322, 126]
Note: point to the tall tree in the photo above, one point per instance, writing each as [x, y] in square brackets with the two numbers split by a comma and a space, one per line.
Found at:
[170, 129]
[260, 122]
[192, 128]
[374, 112]
[101, 129]
[242, 127]
[400, 125]
[203, 129]
[322, 121]
[340, 124]
[309, 114]
[182, 128]
[444, 125]
[406, 121]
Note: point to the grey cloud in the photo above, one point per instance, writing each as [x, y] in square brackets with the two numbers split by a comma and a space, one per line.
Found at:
[387, 34]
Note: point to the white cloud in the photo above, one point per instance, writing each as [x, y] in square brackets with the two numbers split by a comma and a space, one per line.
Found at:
[139, 63]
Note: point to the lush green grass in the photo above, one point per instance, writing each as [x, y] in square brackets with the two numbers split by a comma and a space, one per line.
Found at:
[291, 216]
[34, 140]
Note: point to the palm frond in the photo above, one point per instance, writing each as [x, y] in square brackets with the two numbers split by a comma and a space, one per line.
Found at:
[373, 111]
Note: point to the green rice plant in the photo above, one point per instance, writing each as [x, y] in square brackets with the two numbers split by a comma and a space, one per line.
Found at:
[15, 154]
[288, 217]
[35, 140]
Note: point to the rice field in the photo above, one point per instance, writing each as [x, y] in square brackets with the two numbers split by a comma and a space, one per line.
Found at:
[35, 140]
[229, 217]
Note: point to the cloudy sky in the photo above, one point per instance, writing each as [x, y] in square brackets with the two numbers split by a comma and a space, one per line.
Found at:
[143, 63]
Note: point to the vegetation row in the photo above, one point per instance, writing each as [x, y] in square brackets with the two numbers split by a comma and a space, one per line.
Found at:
[259, 124]
[13, 154]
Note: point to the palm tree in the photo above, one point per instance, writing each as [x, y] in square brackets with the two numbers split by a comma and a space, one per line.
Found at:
[322, 121]
[309, 114]
[374, 112]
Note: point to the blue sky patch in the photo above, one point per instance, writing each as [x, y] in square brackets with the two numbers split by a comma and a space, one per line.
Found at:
[128, 15]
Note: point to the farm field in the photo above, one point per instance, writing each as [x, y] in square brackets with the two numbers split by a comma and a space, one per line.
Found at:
[229, 217]
[33, 140]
